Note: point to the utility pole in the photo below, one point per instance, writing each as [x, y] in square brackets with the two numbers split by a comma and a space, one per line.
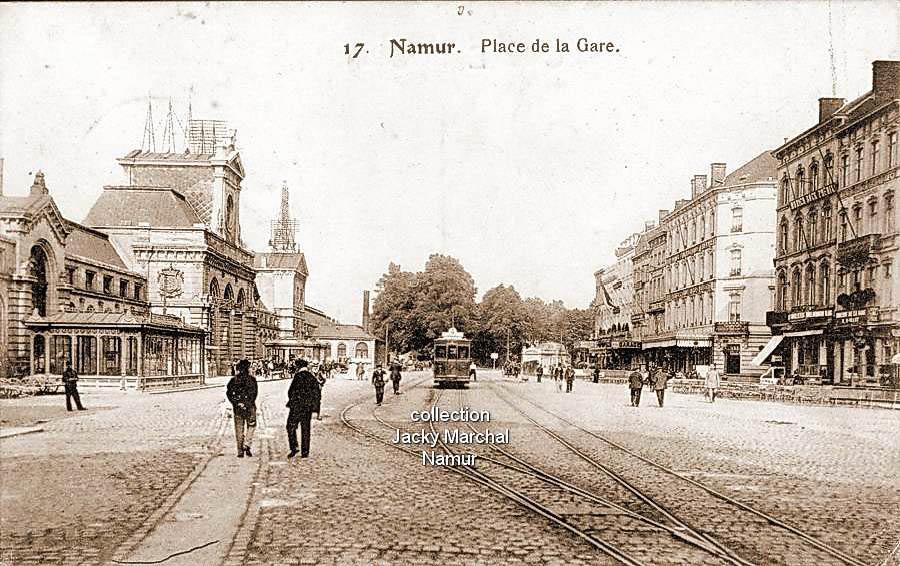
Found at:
[387, 350]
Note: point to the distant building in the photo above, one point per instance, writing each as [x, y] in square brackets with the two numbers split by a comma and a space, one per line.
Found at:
[344, 343]
[613, 307]
[836, 315]
[545, 354]
[649, 266]
[69, 297]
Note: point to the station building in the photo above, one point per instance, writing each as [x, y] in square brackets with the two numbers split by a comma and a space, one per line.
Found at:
[69, 297]
[836, 316]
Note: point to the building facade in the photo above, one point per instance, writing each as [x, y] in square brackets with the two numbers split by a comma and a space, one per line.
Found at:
[613, 306]
[177, 222]
[836, 317]
[717, 273]
[70, 298]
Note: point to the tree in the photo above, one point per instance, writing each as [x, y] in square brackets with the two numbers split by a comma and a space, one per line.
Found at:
[501, 315]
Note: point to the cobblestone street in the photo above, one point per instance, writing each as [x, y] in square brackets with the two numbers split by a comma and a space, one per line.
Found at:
[104, 485]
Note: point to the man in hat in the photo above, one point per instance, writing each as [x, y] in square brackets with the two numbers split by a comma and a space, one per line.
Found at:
[70, 382]
[378, 382]
[304, 397]
[241, 391]
[395, 376]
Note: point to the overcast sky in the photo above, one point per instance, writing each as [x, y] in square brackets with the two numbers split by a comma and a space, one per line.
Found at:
[530, 168]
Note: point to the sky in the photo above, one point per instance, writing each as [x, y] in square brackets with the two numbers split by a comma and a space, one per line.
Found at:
[529, 168]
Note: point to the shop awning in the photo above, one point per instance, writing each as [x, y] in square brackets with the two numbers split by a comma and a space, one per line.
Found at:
[767, 350]
[803, 333]
[660, 344]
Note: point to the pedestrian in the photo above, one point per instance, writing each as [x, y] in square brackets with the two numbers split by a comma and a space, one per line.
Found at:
[360, 371]
[558, 377]
[473, 371]
[596, 374]
[635, 383]
[241, 391]
[70, 382]
[395, 376]
[378, 382]
[304, 399]
[660, 379]
[712, 383]
[570, 378]
[540, 373]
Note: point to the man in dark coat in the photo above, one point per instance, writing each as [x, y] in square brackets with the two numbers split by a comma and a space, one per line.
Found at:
[395, 377]
[659, 380]
[70, 382]
[570, 378]
[540, 373]
[378, 382]
[635, 383]
[596, 374]
[241, 391]
[304, 397]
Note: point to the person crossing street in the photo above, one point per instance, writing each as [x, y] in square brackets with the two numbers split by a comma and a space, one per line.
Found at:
[570, 378]
[712, 383]
[304, 398]
[378, 382]
[395, 376]
[70, 382]
[635, 383]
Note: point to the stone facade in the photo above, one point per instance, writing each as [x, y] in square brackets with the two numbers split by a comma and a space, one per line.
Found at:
[613, 307]
[836, 311]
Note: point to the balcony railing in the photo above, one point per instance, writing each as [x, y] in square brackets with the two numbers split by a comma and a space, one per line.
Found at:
[854, 253]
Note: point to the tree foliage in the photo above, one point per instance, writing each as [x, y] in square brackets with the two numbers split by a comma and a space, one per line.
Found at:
[415, 308]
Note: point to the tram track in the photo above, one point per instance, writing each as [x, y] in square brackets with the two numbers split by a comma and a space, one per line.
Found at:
[661, 530]
[473, 475]
[828, 550]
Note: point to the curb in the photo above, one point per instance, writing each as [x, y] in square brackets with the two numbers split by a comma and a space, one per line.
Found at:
[19, 431]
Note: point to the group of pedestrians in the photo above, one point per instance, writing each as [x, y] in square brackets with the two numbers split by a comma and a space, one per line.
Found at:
[562, 374]
[656, 378]
[304, 398]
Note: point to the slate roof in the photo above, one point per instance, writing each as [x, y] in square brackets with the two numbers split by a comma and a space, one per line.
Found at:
[342, 331]
[278, 260]
[21, 204]
[760, 168]
[93, 245]
[131, 206]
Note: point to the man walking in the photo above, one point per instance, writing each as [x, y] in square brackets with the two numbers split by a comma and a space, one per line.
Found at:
[540, 373]
[712, 383]
[304, 397]
[70, 382]
[241, 391]
[360, 371]
[659, 380]
[558, 377]
[473, 371]
[635, 383]
[395, 376]
[570, 378]
[378, 382]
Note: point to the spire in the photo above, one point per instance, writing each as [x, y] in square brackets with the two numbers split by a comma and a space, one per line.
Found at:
[148, 142]
[284, 227]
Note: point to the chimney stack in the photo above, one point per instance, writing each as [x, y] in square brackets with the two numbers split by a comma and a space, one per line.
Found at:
[885, 81]
[698, 185]
[716, 175]
[828, 106]
[39, 187]
[365, 313]
[662, 215]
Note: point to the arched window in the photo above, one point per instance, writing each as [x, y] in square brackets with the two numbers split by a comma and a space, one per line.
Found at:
[38, 267]
[229, 215]
[801, 182]
[825, 284]
[785, 191]
[812, 233]
[362, 350]
[795, 287]
[873, 215]
[214, 289]
[798, 233]
[844, 231]
[781, 293]
[783, 236]
[228, 297]
[827, 227]
[342, 351]
[889, 213]
[810, 285]
[241, 298]
[814, 177]
[828, 177]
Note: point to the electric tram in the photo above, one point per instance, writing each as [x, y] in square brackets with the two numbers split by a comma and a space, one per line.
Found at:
[452, 357]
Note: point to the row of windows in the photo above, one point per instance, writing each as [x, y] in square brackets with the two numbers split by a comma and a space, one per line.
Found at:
[93, 282]
[362, 350]
[699, 268]
[689, 232]
[812, 285]
[818, 225]
[862, 161]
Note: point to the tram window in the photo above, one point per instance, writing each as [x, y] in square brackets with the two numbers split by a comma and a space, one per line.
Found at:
[451, 352]
[440, 352]
[463, 352]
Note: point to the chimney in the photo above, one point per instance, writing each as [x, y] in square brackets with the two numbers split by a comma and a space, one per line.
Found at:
[365, 313]
[39, 187]
[662, 215]
[698, 185]
[716, 175]
[885, 81]
[827, 107]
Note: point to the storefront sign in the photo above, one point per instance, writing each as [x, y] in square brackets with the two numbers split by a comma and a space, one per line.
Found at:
[823, 313]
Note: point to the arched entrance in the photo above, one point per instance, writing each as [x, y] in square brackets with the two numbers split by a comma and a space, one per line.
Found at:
[38, 265]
